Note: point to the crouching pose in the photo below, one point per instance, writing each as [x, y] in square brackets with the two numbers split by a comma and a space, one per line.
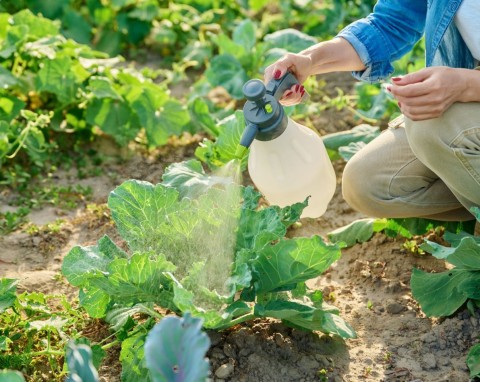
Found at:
[428, 163]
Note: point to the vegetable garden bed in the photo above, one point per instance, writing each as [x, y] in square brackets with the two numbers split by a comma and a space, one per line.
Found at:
[95, 224]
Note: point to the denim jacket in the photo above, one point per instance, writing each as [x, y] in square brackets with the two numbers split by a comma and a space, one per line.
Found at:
[396, 25]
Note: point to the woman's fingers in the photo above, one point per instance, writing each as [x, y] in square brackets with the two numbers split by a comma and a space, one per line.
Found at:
[293, 96]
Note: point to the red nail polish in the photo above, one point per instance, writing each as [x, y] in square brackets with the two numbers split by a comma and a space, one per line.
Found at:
[277, 74]
[288, 94]
[302, 92]
[297, 87]
[389, 89]
[396, 79]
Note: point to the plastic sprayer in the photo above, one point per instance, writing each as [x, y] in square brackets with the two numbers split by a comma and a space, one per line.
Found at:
[288, 162]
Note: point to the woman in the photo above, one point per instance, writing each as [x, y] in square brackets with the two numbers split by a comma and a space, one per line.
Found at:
[429, 164]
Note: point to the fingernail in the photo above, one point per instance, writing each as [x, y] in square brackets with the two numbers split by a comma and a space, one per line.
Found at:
[297, 87]
[302, 92]
[277, 74]
[288, 94]
[389, 89]
[396, 79]
[400, 105]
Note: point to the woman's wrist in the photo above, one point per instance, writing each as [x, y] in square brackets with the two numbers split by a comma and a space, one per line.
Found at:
[471, 87]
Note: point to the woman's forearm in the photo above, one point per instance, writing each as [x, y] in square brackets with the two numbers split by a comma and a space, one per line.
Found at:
[336, 55]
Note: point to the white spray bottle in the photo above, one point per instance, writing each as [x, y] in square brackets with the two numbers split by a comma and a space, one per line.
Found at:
[288, 162]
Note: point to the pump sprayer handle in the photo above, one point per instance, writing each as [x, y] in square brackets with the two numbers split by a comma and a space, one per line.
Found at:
[276, 87]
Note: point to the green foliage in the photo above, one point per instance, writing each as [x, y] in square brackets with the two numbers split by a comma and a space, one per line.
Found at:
[221, 151]
[175, 350]
[243, 57]
[10, 221]
[57, 86]
[362, 230]
[8, 289]
[442, 294]
[11, 376]
[80, 363]
[473, 361]
[35, 329]
[335, 142]
[181, 245]
[374, 102]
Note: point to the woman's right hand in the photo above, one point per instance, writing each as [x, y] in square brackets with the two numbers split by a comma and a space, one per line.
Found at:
[297, 64]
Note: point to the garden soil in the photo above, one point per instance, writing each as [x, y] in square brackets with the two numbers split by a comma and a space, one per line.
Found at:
[369, 285]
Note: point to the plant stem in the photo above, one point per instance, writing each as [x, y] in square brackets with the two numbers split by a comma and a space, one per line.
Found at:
[46, 352]
[110, 345]
[238, 320]
[152, 312]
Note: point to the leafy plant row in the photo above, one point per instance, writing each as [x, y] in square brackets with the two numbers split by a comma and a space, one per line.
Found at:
[40, 341]
[53, 85]
[198, 245]
[58, 92]
[173, 28]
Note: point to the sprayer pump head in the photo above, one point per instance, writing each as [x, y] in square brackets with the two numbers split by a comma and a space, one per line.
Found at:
[264, 116]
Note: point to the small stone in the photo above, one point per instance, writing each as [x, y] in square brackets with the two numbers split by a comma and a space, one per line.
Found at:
[395, 308]
[229, 350]
[429, 338]
[442, 344]
[324, 362]
[245, 352]
[224, 371]
[215, 337]
[279, 339]
[308, 363]
[217, 353]
[294, 374]
[429, 362]
[394, 287]
[408, 364]
[379, 309]
[443, 361]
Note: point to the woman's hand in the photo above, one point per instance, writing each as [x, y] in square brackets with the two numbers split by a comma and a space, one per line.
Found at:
[428, 93]
[325, 57]
[297, 64]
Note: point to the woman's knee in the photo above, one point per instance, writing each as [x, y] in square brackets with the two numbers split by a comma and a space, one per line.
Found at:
[358, 188]
[425, 143]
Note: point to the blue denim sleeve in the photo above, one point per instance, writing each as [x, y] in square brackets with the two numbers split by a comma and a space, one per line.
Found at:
[390, 31]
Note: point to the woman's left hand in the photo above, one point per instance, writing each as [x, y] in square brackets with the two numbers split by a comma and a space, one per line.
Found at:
[429, 92]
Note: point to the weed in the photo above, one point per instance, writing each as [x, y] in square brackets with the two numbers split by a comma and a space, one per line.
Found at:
[387, 357]
[322, 375]
[412, 247]
[34, 329]
[64, 197]
[10, 221]
[366, 372]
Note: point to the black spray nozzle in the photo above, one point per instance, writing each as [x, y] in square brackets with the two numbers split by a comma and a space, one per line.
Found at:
[264, 116]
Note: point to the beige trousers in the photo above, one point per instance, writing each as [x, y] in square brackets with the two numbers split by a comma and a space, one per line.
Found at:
[427, 169]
